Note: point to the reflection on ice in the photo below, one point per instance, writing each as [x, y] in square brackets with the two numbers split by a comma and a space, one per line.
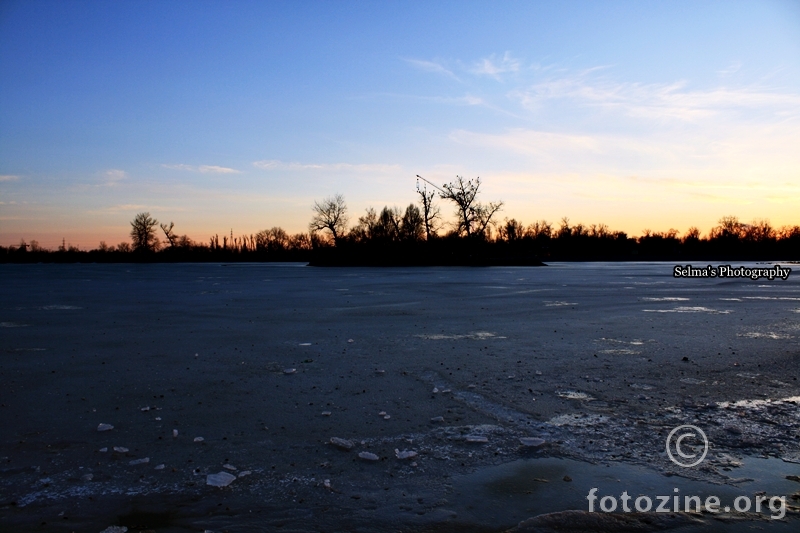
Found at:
[689, 310]
[754, 404]
[764, 335]
[478, 335]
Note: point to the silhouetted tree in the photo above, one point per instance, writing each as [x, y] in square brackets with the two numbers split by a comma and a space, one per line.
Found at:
[387, 227]
[143, 233]
[362, 231]
[564, 230]
[473, 218]
[692, 235]
[430, 212]
[331, 215]
[756, 231]
[171, 237]
[540, 230]
[511, 230]
[412, 226]
[300, 241]
[272, 240]
[728, 228]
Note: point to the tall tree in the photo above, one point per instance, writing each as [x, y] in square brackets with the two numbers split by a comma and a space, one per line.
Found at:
[430, 212]
[143, 233]
[412, 227]
[387, 227]
[169, 234]
[330, 214]
[473, 218]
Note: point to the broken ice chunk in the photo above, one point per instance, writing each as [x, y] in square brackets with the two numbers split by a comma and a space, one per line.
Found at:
[104, 427]
[405, 454]
[220, 479]
[532, 442]
[368, 456]
[343, 444]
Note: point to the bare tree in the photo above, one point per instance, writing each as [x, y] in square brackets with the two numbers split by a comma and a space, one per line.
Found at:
[171, 237]
[729, 228]
[143, 233]
[430, 212]
[757, 231]
[472, 216]
[387, 227]
[412, 227]
[540, 229]
[692, 235]
[362, 231]
[300, 241]
[511, 230]
[564, 230]
[272, 240]
[331, 215]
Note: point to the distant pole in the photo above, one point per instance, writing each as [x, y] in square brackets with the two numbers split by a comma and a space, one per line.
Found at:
[430, 183]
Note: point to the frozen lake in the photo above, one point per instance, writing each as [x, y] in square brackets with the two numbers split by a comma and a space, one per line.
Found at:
[267, 362]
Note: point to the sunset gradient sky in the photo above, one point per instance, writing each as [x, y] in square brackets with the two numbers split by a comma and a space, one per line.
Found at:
[238, 115]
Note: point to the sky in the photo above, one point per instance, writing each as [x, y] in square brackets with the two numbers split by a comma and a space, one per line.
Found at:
[237, 116]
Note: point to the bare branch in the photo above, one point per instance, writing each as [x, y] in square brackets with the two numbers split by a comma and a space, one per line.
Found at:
[331, 215]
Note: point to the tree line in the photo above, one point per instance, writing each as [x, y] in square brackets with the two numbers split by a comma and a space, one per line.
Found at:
[419, 235]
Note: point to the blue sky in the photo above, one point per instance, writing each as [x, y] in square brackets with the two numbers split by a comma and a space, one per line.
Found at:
[238, 115]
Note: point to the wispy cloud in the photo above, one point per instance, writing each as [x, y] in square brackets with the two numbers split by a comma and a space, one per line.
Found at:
[114, 176]
[8, 177]
[132, 208]
[217, 170]
[205, 169]
[179, 167]
[276, 164]
[431, 66]
[467, 99]
[124, 207]
[674, 101]
[494, 66]
[733, 68]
